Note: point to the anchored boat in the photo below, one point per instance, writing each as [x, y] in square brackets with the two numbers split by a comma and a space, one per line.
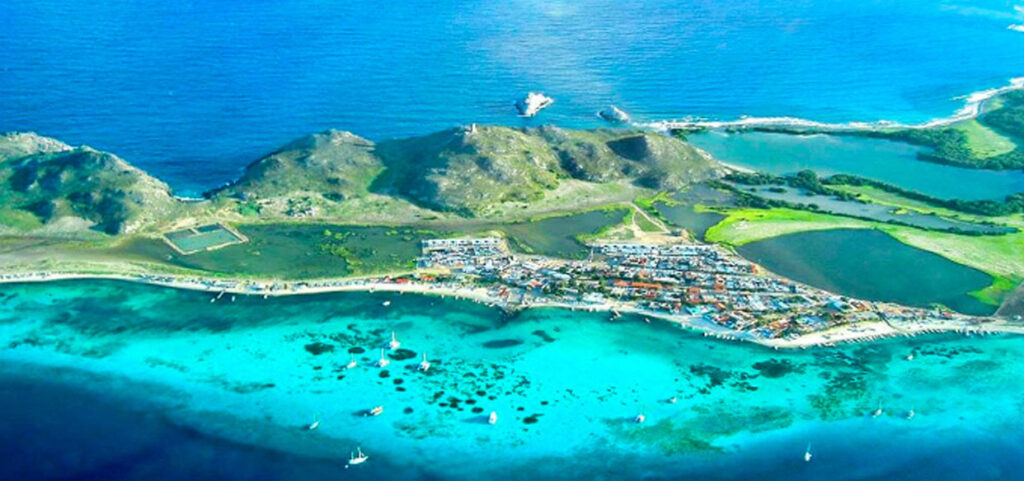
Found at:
[359, 458]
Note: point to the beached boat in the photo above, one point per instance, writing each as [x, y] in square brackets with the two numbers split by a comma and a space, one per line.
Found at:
[358, 457]
[533, 104]
[375, 411]
[493, 418]
[424, 364]
[383, 361]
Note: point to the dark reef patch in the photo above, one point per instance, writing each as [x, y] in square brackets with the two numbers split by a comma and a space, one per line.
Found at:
[502, 343]
[318, 348]
[401, 354]
[543, 335]
[776, 368]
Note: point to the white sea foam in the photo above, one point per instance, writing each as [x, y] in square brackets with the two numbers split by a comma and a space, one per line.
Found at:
[972, 107]
[1016, 28]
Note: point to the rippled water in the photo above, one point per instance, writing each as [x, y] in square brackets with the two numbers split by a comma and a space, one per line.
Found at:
[228, 386]
[194, 90]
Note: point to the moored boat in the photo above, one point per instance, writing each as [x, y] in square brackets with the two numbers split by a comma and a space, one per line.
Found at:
[357, 458]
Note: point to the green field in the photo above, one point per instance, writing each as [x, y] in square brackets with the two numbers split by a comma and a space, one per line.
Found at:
[982, 141]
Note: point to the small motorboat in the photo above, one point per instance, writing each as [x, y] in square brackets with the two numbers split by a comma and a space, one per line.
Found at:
[673, 400]
[640, 418]
[394, 344]
[355, 458]
[493, 418]
[384, 361]
[351, 364]
[910, 357]
[386, 303]
[375, 411]
[807, 454]
[424, 364]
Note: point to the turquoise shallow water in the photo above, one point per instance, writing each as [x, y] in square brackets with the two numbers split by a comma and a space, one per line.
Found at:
[234, 382]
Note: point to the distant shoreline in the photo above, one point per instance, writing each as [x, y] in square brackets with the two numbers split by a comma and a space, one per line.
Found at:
[852, 333]
[974, 103]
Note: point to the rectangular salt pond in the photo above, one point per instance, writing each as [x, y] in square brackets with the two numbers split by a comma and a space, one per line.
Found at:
[202, 238]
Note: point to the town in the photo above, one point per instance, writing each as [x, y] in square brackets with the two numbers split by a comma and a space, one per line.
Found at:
[702, 282]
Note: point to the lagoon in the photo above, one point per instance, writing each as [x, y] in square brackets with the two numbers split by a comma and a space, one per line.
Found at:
[883, 160]
[225, 389]
[870, 264]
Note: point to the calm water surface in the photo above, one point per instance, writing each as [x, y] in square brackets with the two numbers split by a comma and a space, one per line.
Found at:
[872, 265]
[194, 90]
[887, 161]
[224, 390]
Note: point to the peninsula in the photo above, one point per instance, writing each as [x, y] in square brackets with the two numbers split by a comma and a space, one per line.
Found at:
[515, 218]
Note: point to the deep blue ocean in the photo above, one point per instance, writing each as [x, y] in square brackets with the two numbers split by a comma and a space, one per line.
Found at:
[194, 90]
[102, 381]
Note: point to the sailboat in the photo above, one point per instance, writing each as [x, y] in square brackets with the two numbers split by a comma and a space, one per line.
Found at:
[493, 418]
[315, 424]
[394, 344]
[386, 303]
[357, 459]
[911, 413]
[424, 364]
[878, 412]
[375, 411]
[807, 453]
[351, 364]
[383, 362]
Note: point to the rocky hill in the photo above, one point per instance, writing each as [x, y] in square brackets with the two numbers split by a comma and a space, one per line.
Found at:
[335, 164]
[45, 182]
[468, 170]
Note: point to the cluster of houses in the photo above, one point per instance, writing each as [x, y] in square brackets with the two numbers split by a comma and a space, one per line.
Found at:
[699, 281]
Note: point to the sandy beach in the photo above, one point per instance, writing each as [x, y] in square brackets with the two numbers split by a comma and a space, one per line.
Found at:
[851, 333]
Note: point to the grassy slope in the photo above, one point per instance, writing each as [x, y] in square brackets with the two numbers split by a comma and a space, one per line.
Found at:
[984, 142]
[743, 226]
